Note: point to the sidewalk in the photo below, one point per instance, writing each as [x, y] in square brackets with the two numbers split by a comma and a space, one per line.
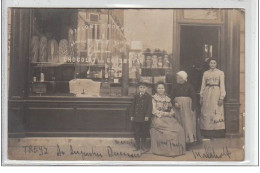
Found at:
[117, 149]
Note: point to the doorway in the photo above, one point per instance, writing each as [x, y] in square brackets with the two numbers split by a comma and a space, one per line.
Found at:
[192, 50]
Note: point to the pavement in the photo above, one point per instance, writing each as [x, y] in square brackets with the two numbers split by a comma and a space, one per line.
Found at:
[116, 149]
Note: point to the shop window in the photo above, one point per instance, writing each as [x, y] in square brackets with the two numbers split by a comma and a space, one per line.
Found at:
[73, 56]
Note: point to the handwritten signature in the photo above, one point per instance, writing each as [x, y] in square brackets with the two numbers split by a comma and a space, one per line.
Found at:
[169, 143]
[218, 121]
[83, 154]
[111, 152]
[210, 153]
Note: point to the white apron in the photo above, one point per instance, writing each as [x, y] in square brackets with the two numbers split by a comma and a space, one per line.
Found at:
[212, 115]
[212, 89]
[187, 118]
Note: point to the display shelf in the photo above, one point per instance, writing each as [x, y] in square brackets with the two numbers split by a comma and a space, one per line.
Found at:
[91, 65]
[136, 83]
[150, 68]
[50, 64]
[51, 95]
[51, 82]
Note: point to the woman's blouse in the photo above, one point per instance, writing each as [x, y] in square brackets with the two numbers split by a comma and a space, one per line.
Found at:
[162, 106]
[213, 78]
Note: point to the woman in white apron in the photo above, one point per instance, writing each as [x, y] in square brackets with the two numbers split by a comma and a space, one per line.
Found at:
[212, 94]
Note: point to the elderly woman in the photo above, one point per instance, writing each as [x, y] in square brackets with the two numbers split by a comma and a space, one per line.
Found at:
[212, 94]
[167, 135]
[184, 100]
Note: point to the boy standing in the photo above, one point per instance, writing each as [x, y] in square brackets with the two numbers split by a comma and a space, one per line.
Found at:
[141, 112]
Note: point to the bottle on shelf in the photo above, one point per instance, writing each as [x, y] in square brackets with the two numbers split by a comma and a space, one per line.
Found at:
[42, 77]
[210, 51]
[34, 79]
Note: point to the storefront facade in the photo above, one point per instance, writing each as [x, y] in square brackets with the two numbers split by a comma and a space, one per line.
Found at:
[41, 100]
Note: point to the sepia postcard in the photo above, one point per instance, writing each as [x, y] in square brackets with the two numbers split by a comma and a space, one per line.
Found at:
[126, 84]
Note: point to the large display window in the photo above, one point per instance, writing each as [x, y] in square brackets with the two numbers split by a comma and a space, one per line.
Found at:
[84, 53]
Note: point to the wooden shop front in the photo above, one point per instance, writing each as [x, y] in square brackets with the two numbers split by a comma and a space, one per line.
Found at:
[41, 99]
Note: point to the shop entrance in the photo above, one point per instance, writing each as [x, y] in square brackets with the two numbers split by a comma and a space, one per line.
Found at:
[196, 43]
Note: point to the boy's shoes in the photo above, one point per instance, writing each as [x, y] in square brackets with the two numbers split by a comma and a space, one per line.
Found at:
[187, 148]
[137, 147]
[141, 146]
[144, 149]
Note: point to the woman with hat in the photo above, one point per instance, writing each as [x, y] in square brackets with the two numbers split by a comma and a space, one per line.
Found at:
[184, 100]
[212, 94]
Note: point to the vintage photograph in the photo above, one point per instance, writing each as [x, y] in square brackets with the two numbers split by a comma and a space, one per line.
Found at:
[107, 84]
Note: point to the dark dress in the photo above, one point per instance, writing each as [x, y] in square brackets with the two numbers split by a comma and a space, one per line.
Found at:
[185, 96]
[184, 90]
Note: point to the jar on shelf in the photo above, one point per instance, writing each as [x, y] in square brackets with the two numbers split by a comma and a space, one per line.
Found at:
[160, 62]
[42, 77]
[148, 61]
[166, 62]
[154, 61]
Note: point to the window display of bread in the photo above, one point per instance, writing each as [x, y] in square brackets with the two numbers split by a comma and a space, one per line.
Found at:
[63, 50]
[53, 47]
[71, 41]
[35, 44]
[43, 49]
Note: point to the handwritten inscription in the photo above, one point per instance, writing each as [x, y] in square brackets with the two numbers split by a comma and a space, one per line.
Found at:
[210, 153]
[219, 121]
[85, 154]
[118, 150]
[124, 142]
[168, 143]
[111, 153]
[171, 145]
[59, 151]
[40, 150]
[81, 153]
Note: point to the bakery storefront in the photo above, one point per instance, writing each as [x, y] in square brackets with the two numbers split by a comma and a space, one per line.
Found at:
[73, 72]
